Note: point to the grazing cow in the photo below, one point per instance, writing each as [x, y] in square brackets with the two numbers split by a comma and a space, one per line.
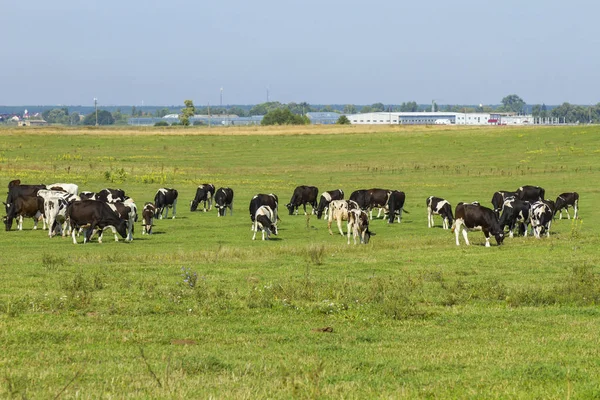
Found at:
[564, 200]
[368, 199]
[65, 187]
[476, 217]
[541, 218]
[302, 196]
[204, 193]
[396, 206]
[93, 214]
[165, 198]
[223, 201]
[147, 218]
[358, 224]
[126, 210]
[265, 220]
[259, 200]
[24, 206]
[338, 210]
[552, 205]
[111, 195]
[441, 207]
[327, 198]
[530, 193]
[88, 196]
[55, 207]
[15, 190]
[515, 212]
[498, 199]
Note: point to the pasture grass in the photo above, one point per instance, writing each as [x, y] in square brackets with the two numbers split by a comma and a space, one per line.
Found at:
[199, 310]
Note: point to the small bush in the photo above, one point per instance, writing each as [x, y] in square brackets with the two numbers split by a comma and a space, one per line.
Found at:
[161, 123]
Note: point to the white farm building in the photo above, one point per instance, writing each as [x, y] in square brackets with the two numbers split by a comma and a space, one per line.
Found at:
[438, 118]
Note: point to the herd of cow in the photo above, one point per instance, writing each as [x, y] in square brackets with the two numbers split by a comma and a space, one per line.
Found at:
[63, 209]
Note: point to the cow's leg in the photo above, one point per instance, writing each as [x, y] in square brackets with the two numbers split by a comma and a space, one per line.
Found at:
[400, 215]
[339, 224]
[464, 233]
[329, 221]
[445, 223]
[304, 206]
[567, 211]
[73, 232]
[254, 229]
[487, 239]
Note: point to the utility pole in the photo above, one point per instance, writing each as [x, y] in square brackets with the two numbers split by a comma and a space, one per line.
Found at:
[96, 108]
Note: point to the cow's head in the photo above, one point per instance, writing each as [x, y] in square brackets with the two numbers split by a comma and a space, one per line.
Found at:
[499, 237]
[290, 208]
[194, 205]
[122, 228]
[366, 236]
[221, 210]
[7, 222]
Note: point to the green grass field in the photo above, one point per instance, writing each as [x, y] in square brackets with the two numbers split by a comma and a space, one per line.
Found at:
[199, 310]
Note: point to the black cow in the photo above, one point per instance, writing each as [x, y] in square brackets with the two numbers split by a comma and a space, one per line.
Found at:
[24, 206]
[224, 200]
[515, 212]
[441, 207]
[498, 199]
[165, 198]
[28, 194]
[259, 200]
[541, 219]
[530, 193]
[204, 193]
[564, 200]
[396, 205]
[93, 214]
[302, 196]
[147, 218]
[327, 198]
[471, 216]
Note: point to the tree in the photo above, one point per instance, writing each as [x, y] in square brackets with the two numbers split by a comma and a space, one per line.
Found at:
[74, 118]
[120, 118]
[513, 103]
[411, 106]
[161, 123]
[284, 116]
[162, 112]
[104, 118]
[264, 108]
[349, 109]
[377, 107]
[343, 120]
[187, 112]
[366, 109]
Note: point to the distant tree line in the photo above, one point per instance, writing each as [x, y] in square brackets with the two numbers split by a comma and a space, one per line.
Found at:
[281, 113]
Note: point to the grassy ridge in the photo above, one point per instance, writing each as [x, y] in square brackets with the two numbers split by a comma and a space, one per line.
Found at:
[198, 309]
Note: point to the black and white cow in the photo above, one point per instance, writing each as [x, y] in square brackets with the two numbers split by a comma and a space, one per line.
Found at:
[326, 198]
[396, 206]
[86, 195]
[498, 199]
[147, 218]
[265, 220]
[126, 210]
[55, 207]
[358, 225]
[223, 201]
[338, 211]
[302, 196]
[515, 213]
[530, 193]
[371, 198]
[204, 193]
[259, 200]
[65, 187]
[541, 218]
[476, 217]
[441, 207]
[93, 214]
[164, 199]
[564, 200]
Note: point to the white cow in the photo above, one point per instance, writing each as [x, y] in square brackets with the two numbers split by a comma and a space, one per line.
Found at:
[338, 210]
[67, 187]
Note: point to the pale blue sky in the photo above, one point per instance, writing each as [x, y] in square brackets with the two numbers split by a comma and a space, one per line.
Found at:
[322, 52]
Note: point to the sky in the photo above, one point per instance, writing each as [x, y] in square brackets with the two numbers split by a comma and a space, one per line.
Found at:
[146, 52]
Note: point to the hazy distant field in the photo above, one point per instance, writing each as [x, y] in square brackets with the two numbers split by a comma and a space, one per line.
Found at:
[200, 310]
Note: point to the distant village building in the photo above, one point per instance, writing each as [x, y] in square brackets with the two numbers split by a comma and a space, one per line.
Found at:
[438, 118]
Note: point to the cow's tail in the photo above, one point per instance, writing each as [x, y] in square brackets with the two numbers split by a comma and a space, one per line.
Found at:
[405, 210]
